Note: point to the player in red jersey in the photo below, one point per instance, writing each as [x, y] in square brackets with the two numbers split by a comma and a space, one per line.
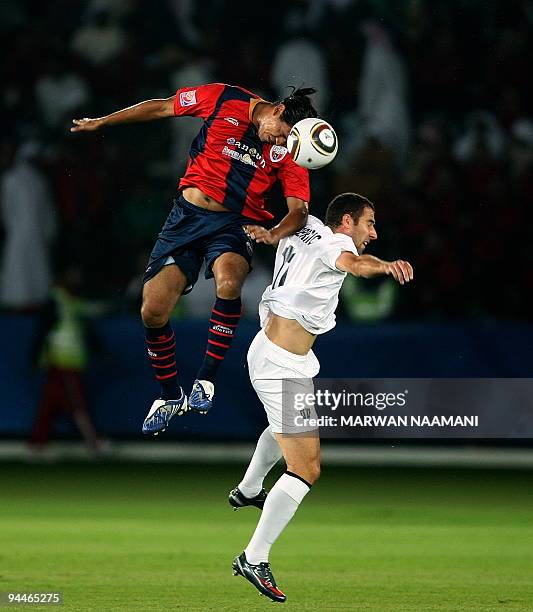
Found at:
[235, 159]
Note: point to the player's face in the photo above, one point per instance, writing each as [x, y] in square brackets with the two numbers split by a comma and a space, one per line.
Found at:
[272, 129]
[364, 231]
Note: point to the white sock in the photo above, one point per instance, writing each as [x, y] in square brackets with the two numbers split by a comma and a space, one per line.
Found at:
[267, 453]
[280, 506]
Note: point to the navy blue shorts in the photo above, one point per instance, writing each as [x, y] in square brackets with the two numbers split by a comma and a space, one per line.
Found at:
[192, 234]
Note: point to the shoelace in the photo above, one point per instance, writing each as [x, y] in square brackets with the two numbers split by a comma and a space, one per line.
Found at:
[203, 393]
[162, 413]
[266, 574]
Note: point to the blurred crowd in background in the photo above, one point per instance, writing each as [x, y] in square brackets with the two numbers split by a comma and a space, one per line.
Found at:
[430, 99]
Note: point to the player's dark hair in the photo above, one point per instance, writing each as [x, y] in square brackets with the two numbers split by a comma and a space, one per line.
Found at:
[298, 105]
[351, 204]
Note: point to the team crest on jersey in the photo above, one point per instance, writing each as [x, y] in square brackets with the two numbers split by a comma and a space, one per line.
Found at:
[188, 98]
[232, 120]
[277, 153]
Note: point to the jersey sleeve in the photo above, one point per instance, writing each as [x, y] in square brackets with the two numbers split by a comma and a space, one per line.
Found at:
[294, 180]
[331, 249]
[197, 101]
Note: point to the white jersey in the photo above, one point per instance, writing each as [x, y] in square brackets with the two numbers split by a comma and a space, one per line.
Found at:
[306, 282]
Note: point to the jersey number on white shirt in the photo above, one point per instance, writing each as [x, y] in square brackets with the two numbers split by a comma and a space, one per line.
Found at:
[289, 253]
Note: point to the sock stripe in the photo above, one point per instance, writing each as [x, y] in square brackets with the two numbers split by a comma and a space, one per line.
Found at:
[161, 353]
[160, 358]
[218, 343]
[222, 323]
[298, 477]
[217, 350]
[225, 314]
[159, 367]
[170, 357]
[159, 349]
[160, 341]
[166, 376]
[221, 352]
[161, 346]
[214, 331]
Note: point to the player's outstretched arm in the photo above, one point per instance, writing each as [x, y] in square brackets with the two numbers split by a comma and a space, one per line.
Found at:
[368, 266]
[294, 220]
[144, 111]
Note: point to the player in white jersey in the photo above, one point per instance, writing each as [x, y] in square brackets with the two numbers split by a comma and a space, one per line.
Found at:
[310, 268]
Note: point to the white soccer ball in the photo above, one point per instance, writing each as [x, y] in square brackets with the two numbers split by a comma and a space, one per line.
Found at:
[312, 143]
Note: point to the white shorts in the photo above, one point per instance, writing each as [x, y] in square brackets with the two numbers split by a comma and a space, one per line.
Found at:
[268, 366]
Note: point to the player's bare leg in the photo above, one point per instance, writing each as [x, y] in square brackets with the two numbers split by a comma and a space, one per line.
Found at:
[160, 295]
[230, 271]
[302, 455]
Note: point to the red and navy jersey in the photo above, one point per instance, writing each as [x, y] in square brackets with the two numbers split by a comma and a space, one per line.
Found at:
[227, 161]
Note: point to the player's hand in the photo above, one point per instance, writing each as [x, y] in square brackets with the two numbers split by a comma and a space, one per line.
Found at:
[401, 271]
[260, 234]
[86, 125]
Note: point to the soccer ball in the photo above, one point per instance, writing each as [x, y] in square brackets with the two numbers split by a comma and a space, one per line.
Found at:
[312, 143]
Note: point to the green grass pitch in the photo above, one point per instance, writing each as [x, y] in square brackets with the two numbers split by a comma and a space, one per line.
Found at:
[162, 537]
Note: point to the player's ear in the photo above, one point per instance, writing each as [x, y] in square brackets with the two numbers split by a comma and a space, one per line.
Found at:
[347, 220]
[279, 110]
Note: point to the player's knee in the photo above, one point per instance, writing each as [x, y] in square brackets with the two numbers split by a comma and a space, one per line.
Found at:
[314, 472]
[310, 472]
[229, 288]
[153, 314]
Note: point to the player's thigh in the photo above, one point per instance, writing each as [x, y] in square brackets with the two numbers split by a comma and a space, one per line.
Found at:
[269, 392]
[163, 290]
[299, 441]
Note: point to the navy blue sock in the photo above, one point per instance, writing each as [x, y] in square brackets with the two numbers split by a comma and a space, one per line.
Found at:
[222, 327]
[161, 345]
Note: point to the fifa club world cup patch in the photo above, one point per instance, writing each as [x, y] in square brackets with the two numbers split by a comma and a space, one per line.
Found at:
[277, 153]
[188, 98]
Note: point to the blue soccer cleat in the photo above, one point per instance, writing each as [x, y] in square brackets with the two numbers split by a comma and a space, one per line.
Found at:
[161, 413]
[201, 397]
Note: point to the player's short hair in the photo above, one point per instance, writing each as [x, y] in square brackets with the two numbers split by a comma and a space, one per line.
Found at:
[352, 204]
[298, 105]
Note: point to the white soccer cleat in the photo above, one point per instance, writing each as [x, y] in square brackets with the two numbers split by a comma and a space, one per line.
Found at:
[201, 396]
[162, 412]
